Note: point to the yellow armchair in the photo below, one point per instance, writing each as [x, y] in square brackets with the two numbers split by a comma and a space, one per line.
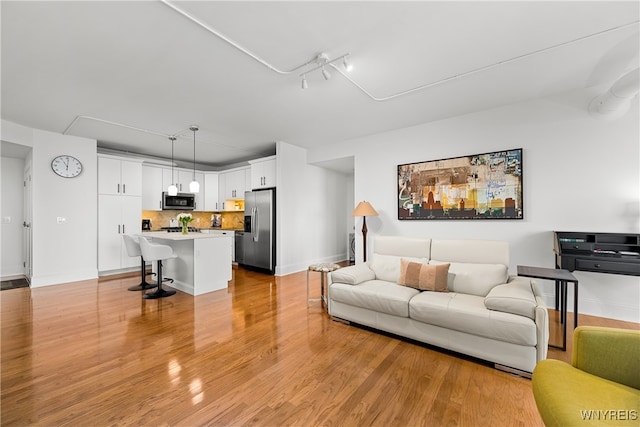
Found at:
[600, 387]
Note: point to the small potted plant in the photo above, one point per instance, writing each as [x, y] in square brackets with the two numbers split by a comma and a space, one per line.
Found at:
[185, 219]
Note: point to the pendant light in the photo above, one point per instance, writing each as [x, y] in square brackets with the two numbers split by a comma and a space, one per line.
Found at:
[194, 187]
[173, 188]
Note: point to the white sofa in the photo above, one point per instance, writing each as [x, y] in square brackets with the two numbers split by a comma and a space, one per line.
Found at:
[484, 312]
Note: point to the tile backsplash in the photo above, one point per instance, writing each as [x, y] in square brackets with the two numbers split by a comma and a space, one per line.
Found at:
[231, 220]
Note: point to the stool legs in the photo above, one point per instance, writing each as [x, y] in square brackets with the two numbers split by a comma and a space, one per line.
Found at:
[159, 293]
[143, 282]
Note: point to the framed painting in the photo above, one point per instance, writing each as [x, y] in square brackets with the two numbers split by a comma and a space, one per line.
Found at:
[480, 186]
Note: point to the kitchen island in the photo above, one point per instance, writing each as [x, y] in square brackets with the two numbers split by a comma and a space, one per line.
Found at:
[203, 262]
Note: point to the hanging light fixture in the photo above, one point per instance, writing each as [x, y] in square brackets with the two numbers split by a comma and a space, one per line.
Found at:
[173, 188]
[194, 187]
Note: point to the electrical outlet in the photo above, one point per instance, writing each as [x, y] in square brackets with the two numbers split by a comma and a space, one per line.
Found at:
[61, 220]
[6, 220]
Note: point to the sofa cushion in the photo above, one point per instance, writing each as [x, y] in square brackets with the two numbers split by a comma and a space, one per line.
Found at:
[474, 251]
[353, 274]
[387, 267]
[406, 247]
[377, 295]
[424, 277]
[467, 313]
[516, 298]
[474, 279]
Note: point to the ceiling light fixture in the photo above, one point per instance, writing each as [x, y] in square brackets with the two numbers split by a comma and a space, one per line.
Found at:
[194, 187]
[173, 188]
[322, 61]
[404, 92]
[347, 65]
[326, 74]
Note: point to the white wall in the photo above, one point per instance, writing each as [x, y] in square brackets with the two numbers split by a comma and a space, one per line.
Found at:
[12, 173]
[308, 198]
[580, 173]
[64, 252]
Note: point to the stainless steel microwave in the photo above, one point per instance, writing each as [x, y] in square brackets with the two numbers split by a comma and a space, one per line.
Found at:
[185, 201]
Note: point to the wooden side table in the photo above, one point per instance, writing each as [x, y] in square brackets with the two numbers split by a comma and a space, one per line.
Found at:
[559, 276]
[323, 269]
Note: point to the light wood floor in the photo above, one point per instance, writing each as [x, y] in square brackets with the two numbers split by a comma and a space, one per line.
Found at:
[94, 354]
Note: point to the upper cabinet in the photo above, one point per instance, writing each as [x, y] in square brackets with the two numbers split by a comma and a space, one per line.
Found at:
[152, 188]
[119, 177]
[180, 177]
[232, 184]
[263, 173]
[158, 179]
[211, 202]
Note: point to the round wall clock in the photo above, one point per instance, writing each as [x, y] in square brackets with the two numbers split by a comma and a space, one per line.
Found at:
[66, 166]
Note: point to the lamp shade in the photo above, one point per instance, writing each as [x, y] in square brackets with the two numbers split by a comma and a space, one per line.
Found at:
[364, 208]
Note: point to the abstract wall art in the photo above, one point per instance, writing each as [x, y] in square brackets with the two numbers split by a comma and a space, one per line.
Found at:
[479, 186]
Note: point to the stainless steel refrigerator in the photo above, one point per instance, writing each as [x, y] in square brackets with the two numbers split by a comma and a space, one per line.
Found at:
[259, 225]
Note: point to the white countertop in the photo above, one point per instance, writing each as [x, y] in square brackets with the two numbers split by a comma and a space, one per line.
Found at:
[179, 236]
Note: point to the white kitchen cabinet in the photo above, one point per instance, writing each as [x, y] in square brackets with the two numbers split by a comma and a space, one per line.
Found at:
[232, 185]
[200, 194]
[118, 215]
[247, 180]
[211, 202]
[119, 177]
[182, 178]
[229, 233]
[152, 188]
[263, 173]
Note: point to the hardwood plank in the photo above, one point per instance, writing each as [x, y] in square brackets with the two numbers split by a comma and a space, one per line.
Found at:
[93, 353]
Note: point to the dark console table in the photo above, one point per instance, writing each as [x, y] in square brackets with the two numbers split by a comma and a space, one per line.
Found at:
[614, 253]
[561, 277]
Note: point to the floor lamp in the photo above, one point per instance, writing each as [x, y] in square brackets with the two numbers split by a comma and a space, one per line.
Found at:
[364, 209]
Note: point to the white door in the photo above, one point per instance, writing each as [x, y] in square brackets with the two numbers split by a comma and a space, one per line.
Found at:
[26, 224]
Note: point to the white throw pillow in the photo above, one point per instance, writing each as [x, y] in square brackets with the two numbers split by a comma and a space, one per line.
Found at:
[474, 279]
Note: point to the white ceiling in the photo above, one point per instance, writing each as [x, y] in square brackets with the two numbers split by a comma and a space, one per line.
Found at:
[144, 65]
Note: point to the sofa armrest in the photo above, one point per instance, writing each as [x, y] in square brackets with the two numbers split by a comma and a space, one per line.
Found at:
[515, 297]
[352, 275]
[520, 296]
[609, 353]
[542, 326]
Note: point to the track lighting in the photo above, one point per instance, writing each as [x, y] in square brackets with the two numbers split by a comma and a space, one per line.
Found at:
[347, 65]
[322, 61]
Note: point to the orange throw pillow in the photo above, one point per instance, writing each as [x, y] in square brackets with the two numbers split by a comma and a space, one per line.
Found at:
[423, 276]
